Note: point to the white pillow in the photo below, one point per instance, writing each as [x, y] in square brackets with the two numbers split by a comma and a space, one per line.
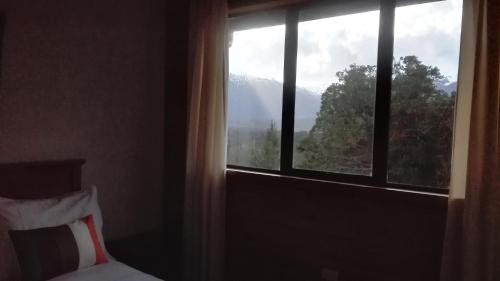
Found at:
[33, 214]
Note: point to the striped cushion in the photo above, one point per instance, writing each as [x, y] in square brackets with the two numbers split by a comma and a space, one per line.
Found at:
[45, 253]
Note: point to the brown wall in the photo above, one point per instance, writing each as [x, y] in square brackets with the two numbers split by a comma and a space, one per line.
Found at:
[176, 69]
[288, 229]
[85, 79]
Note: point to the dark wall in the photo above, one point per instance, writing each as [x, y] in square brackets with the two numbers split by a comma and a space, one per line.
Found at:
[176, 73]
[289, 229]
[85, 79]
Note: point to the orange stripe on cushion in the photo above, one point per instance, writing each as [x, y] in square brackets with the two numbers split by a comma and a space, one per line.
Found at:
[99, 253]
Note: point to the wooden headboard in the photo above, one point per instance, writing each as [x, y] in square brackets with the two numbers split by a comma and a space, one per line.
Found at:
[38, 180]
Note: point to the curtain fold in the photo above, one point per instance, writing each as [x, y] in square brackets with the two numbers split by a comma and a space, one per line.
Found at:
[206, 149]
[472, 242]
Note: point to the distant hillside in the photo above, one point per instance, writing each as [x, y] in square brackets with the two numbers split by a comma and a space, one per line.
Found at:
[447, 87]
[254, 102]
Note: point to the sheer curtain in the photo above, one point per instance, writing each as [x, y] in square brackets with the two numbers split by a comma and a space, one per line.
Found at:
[206, 150]
[472, 242]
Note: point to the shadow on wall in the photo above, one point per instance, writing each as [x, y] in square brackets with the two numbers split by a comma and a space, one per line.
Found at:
[84, 79]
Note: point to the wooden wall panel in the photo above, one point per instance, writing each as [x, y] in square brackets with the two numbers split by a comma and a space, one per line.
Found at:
[238, 7]
[282, 228]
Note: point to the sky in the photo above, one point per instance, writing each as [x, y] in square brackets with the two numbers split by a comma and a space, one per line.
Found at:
[430, 31]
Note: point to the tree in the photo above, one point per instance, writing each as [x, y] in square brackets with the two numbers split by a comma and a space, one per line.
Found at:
[341, 138]
[420, 125]
[266, 155]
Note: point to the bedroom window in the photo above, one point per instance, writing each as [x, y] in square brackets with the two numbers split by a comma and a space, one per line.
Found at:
[256, 96]
[333, 131]
[357, 93]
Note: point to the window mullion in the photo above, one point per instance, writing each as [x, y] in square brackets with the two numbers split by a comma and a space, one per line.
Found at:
[383, 94]
[289, 76]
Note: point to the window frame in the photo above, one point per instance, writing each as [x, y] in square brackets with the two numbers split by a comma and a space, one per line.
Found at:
[382, 108]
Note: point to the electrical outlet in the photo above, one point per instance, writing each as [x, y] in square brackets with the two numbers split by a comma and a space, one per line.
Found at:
[329, 274]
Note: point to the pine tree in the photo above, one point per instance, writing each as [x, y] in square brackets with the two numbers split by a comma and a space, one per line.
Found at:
[266, 155]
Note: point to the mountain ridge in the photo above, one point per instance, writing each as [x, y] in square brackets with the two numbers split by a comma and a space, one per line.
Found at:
[253, 103]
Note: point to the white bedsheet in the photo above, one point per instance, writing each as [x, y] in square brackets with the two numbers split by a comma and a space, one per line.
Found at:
[111, 271]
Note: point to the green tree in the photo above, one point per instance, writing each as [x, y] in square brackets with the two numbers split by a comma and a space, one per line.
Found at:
[421, 125]
[266, 155]
[341, 138]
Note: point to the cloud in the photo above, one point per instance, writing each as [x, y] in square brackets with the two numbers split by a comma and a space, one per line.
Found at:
[258, 52]
[434, 48]
[338, 42]
[431, 31]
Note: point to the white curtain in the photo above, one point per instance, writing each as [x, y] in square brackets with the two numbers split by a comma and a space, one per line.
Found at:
[206, 151]
[472, 242]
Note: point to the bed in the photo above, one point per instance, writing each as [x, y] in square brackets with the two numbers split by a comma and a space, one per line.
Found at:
[47, 179]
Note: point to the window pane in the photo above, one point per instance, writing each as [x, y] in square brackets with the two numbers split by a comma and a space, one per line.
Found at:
[255, 97]
[335, 93]
[426, 50]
